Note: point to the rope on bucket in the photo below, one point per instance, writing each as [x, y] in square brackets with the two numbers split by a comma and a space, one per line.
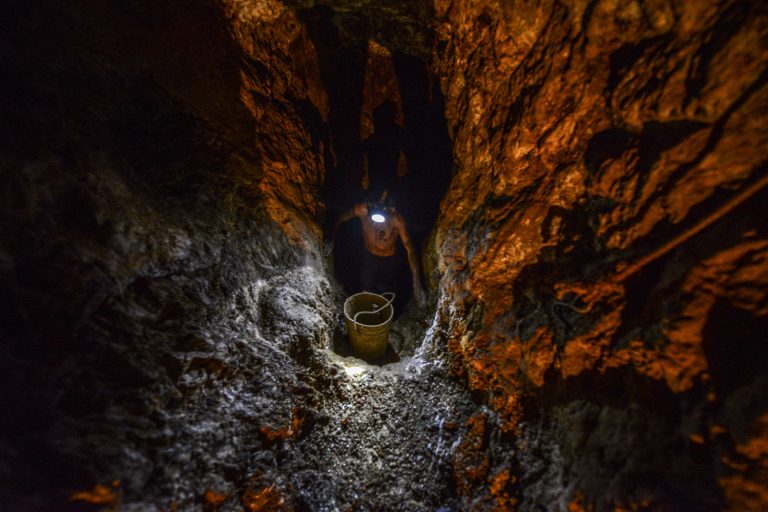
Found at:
[377, 310]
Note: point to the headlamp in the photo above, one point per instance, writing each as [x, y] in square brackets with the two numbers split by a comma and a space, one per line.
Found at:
[377, 212]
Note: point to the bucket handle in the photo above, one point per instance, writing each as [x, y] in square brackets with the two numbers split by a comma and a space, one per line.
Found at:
[383, 294]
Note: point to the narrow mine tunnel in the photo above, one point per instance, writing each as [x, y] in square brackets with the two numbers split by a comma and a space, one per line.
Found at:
[585, 186]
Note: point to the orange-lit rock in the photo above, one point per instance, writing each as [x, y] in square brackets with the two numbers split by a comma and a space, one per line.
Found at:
[380, 85]
[283, 433]
[499, 487]
[609, 198]
[470, 458]
[107, 495]
[281, 69]
[267, 499]
[212, 500]
[745, 483]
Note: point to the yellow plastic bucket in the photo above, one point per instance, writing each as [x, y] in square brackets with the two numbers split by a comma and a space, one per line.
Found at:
[368, 317]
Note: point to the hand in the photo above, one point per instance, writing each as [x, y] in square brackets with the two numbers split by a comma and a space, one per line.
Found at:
[327, 246]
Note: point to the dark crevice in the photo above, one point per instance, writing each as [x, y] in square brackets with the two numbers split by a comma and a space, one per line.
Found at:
[641, 313]
[578, 412]
[607, 145]
[734, 343]
[727, 26]
[629, 54]
[658, 137]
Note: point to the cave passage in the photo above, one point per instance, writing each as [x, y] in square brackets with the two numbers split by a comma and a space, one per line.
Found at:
[406, 152]
[386, 133]
[584, 182]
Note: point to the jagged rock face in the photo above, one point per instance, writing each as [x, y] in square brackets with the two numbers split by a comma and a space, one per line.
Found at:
[159, 258]
[602, 254]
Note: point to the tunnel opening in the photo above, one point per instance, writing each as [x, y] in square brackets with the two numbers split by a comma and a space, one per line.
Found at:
[411, 164]
[386, 136]
[739, 360]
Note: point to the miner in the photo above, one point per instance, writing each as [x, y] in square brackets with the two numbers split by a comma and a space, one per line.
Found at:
[380, 268]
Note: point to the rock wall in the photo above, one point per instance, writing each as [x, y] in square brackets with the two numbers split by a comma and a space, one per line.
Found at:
[601, 254]
[159, 258]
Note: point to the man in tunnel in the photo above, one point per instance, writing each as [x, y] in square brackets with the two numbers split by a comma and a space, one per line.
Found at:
[380, 266]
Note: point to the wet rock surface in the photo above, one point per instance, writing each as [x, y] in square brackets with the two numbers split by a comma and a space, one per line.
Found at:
[171, 338]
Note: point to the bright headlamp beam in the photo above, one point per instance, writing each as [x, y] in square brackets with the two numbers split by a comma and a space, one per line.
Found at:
[377, 217]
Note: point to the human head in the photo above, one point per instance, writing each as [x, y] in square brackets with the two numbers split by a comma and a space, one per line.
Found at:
[379, 206]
